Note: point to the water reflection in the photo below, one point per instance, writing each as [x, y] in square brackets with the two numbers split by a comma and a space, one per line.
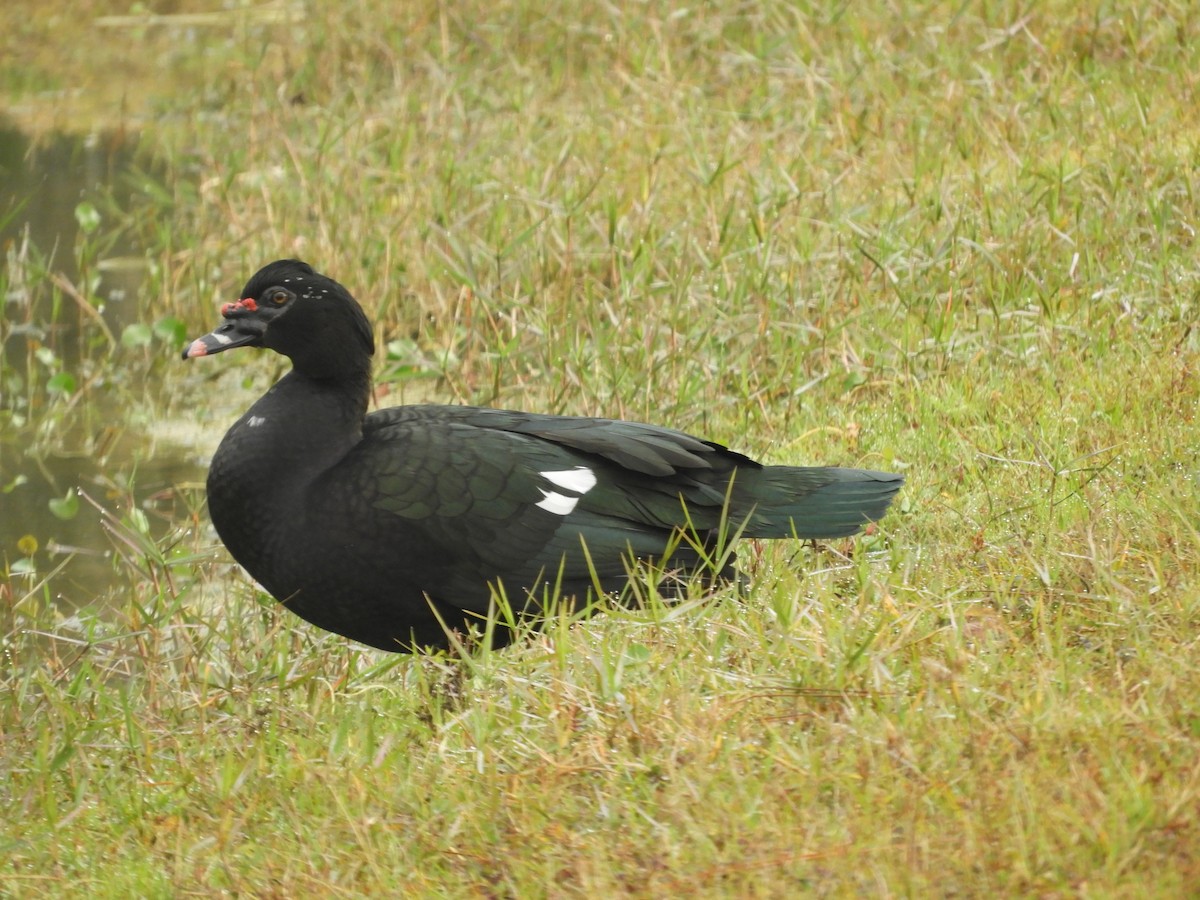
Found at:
[42, 184]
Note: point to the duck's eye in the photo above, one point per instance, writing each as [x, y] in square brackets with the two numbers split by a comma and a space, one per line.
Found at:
[278, 297]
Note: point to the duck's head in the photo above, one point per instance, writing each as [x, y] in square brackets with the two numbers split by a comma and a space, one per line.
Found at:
[309, 318]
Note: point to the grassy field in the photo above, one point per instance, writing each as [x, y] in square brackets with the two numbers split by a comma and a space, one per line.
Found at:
[956, 240]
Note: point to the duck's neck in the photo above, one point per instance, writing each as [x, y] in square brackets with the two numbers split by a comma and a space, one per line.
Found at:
[297, 430]
[260, 478]
[313, 422]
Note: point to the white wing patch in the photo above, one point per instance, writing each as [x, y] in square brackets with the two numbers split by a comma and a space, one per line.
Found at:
[579, 481]
[559, 504]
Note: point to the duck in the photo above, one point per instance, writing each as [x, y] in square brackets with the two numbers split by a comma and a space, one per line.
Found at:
[401, 528]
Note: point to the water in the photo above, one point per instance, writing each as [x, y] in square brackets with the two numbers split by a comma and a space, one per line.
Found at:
[42, 187]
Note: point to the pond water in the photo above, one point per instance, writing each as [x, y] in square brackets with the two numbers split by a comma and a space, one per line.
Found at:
[48, 188]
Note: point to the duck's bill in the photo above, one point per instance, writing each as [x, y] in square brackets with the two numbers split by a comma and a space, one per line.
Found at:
[230, 334]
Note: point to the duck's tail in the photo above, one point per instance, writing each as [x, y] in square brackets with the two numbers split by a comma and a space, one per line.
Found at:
[813, 502]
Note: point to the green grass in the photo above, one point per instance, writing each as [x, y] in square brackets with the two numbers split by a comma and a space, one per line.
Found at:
[956, 240]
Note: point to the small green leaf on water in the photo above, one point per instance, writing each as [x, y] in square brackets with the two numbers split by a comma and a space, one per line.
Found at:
[87, 216]
[46, 357]
[139, 334]
[27, 544]
[12, 485]
[22, 567]
[61, 383]
[65, 508]
[170, 330]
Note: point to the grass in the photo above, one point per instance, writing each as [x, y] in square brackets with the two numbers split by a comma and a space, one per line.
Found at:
[952, 239]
